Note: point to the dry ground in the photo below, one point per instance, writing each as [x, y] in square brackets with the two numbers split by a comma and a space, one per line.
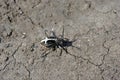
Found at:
[95, 22]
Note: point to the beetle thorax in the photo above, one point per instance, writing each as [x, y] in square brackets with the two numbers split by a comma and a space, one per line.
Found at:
[49, 41]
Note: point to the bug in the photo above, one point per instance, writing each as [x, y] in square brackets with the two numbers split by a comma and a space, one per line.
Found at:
[53, 42]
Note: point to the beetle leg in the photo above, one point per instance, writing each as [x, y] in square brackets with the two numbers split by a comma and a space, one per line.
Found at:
[60, 52]
[75, 37]
[76, 47]
[44, 55]
[62, 36]
[63, 48]
[46, 33]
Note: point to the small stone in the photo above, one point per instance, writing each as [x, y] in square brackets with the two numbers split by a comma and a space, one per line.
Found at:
[8, 31]
[31, 61]
[7, 58]
[33, 47]
[23, 35]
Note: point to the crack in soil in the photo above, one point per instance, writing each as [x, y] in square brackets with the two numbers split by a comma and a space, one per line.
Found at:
[11, 56]
[15, 52]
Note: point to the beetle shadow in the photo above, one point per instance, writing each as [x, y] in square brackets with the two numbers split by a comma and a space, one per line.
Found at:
[67, 42]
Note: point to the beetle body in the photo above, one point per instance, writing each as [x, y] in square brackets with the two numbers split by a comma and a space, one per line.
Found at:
[53, 42]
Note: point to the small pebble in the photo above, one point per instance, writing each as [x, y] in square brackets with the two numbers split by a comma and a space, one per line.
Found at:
[8, 30]
[23, 35]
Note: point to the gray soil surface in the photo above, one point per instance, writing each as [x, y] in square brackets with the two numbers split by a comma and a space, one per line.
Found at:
[95, 24]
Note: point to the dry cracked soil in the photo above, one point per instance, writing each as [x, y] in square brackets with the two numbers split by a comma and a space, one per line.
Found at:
[95, 24]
